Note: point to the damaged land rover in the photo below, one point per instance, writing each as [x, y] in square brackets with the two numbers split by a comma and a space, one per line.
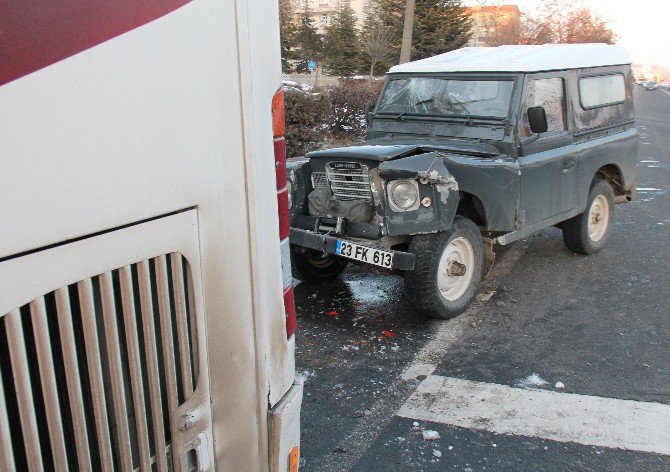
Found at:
[465, 150]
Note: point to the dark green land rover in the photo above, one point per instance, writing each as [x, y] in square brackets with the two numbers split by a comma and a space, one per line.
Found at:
[465, 150]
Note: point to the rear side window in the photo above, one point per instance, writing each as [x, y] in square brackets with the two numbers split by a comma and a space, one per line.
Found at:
[602, 90]
[548, 94]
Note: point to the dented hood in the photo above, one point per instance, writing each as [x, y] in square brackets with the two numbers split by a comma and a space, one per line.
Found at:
[381, 153]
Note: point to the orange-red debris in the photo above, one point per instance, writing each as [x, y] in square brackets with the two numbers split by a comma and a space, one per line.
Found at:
[389, 334]
[332, 313]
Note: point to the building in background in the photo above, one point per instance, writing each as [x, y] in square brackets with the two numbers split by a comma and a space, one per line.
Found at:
[323, 11]
[494, 25]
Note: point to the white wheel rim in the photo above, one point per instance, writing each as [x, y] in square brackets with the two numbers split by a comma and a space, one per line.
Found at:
[599, 218]
[459, 252]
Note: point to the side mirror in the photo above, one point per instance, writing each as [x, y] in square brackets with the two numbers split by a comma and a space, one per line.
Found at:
[537, 119]
[369, 107]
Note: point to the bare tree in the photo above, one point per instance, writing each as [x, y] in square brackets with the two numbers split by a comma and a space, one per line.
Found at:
[583, 26]
[377, 46]
[566, 21]
[534, 31]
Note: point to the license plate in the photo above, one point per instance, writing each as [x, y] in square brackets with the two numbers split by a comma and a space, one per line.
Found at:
[364, 254]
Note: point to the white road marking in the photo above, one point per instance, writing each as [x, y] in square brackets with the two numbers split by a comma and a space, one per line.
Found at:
[564, 417]
[665, 91]
[366, 431]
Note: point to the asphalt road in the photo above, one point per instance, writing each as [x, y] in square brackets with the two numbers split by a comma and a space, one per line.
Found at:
[597, 324]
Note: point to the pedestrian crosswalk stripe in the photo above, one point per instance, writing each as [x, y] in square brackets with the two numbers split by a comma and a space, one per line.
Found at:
[564, 417]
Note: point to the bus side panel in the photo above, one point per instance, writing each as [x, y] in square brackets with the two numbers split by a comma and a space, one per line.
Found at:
[143, 125]
[261, 78]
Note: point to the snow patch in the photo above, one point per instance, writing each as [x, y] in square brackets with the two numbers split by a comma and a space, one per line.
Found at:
[306, 375]
[430, 435]
[533, 381]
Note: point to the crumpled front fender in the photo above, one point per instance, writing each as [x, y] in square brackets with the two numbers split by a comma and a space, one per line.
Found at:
[436, 187]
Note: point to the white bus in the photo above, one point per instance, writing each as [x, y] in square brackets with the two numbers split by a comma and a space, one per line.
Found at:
[146, 319]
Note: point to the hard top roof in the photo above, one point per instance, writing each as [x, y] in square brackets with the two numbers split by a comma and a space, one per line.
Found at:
[520, 59]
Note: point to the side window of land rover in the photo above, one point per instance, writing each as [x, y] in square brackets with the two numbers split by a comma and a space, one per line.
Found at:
[603, 90]
[550, 95]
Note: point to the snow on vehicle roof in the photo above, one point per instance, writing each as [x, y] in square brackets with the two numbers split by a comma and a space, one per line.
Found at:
[520, 59]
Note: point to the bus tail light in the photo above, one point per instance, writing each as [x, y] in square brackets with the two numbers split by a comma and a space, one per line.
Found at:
[289, 307]
[284, 217]
[278, 129]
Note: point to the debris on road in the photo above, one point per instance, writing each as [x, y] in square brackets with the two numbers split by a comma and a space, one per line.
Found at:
[559, 385]
[306, 375]
[500, 304]
[533, 381]
[332, 313]
[430, 435]
[389, 334]
[437, 453]
[485, 297]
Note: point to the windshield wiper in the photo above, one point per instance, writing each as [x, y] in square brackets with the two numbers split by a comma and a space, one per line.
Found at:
[456, 101]
[421, 102]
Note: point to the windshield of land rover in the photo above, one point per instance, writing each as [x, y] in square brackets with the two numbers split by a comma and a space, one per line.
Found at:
[428, 96]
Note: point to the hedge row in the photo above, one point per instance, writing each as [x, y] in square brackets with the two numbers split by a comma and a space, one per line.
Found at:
[316, 117]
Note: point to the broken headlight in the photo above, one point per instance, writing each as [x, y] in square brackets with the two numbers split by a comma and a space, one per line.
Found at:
[404, 194]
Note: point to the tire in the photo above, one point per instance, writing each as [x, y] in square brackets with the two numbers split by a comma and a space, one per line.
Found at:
[588, 232]
[313, 266]
[435, 254]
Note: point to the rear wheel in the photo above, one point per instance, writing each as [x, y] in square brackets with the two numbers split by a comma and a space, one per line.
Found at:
[447, 271]
[588, 232]
[314, 266]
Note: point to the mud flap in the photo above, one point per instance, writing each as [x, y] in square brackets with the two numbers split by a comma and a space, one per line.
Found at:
[489, 256]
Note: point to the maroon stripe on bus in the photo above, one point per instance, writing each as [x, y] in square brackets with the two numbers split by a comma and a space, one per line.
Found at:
[38, 33]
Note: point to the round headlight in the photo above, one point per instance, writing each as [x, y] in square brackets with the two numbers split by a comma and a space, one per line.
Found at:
[404, 194]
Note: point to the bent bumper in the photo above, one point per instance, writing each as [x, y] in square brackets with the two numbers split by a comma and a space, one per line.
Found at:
[328, 244]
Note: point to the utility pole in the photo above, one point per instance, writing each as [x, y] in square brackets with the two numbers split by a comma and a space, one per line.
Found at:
[406, 48]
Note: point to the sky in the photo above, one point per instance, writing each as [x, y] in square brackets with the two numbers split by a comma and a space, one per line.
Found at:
[641, 26]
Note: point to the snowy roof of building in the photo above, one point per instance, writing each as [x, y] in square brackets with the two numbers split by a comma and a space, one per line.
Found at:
[520, 59]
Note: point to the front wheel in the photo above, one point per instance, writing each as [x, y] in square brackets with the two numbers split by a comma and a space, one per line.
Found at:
[447, 271]
[316, 267]
[587, 232]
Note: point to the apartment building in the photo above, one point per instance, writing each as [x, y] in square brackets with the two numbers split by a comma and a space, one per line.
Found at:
[323, 11]
[494, 25]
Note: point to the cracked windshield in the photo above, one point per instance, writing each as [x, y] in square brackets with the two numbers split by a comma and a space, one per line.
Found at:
[446, 97]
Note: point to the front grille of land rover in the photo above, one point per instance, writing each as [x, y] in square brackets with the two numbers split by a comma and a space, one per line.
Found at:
[92, 373]
[319, 180]
[350, 184]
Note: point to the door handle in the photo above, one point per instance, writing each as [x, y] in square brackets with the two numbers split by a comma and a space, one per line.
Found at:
[567, 165]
